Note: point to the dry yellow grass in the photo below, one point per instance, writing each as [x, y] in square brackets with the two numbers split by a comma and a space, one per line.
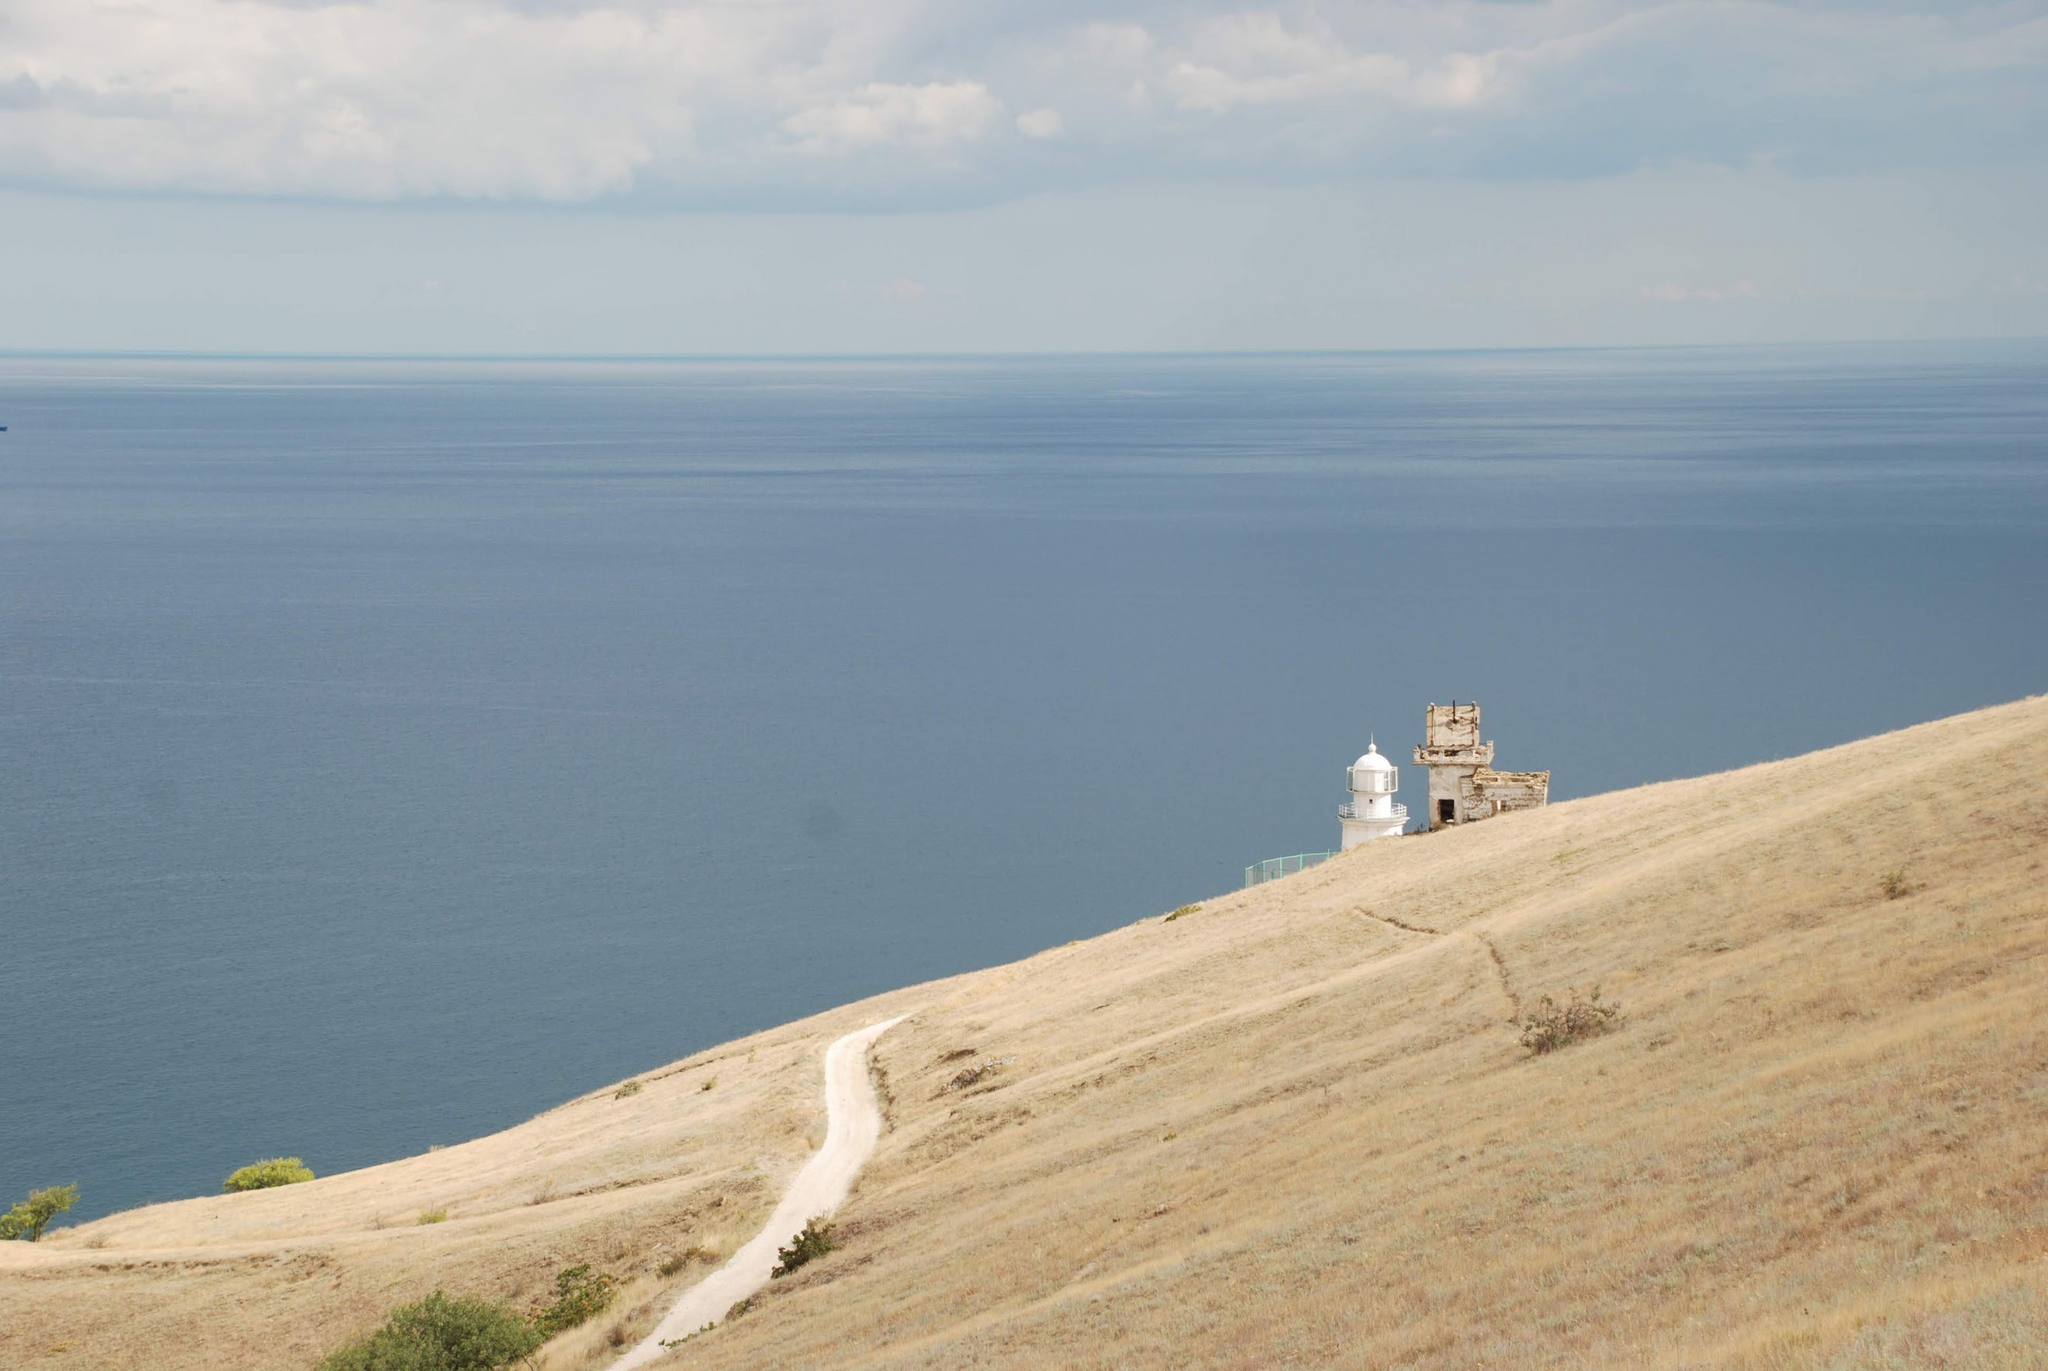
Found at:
[1296, 1127]
[275, 1278]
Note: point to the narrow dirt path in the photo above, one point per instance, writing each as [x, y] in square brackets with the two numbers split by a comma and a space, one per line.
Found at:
[853, 1125]
[1507, 986]
[1500, 966]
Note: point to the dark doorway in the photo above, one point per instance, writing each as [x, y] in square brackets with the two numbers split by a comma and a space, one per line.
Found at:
[1446, 811]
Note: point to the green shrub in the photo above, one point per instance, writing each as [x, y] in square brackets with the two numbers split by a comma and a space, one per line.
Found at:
[629, 1088]
[1895, 885]
[265, 1174]
[580, 1294]
[1551, 1025]
[28, 1219]
[441, 1334]
[1183, 912]
[434, 1216]
[814, 1242]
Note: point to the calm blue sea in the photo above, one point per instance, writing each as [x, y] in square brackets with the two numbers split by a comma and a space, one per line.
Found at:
[390, 750]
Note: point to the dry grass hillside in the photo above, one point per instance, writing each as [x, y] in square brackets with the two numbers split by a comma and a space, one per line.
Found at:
[1298, 1127]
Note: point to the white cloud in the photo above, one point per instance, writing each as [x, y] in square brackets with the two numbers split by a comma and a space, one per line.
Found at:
[460, 97]
[1258, 59]
[1044, 122]
[879, 113]
[1113, 42]
[828, 101]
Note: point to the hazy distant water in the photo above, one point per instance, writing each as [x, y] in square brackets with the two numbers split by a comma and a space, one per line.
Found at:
[390, 751]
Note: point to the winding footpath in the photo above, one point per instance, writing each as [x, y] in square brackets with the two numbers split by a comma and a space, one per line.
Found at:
[853, 1125]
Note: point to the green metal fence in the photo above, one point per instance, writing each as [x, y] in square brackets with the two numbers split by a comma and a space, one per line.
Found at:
[1273, 868]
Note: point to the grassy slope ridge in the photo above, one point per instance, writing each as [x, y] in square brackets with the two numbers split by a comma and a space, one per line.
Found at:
[1297, 1127]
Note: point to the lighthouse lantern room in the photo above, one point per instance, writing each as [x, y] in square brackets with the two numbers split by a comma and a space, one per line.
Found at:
[1372, 812]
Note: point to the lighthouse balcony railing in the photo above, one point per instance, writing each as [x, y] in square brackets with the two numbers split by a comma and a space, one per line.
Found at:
[1352, 811]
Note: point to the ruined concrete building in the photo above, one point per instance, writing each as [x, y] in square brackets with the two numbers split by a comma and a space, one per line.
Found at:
[1463, 786]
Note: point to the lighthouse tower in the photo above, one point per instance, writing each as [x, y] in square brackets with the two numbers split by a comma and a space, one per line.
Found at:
[1372, 812]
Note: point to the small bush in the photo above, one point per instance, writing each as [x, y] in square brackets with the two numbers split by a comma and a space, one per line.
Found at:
[441, 1334]
[806, 1247]
[974, 1074]
[709, 1083]
[1895, 885]
[1551, 1025]
[629, 1088]
[1184, 910]
[434, 1216]
[697, 1252]
[580, 1294]
[265, 1174]
[27, 1220]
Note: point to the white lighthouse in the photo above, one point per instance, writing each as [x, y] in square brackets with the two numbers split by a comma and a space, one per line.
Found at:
[1372, 812]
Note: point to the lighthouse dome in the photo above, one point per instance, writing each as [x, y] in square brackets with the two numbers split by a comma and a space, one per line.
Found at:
[1372, 761]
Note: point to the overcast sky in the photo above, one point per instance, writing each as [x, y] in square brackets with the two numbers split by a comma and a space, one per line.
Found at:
[898, 175]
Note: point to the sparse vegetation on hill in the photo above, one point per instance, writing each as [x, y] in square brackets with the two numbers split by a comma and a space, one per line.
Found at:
[1305, 1129]
[973, 1075]
[1551, 1025]
[28, 1219]
[441, 1333]
[813, 1242]
[679, 1261]
[581, 1294]
[265, 1175]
